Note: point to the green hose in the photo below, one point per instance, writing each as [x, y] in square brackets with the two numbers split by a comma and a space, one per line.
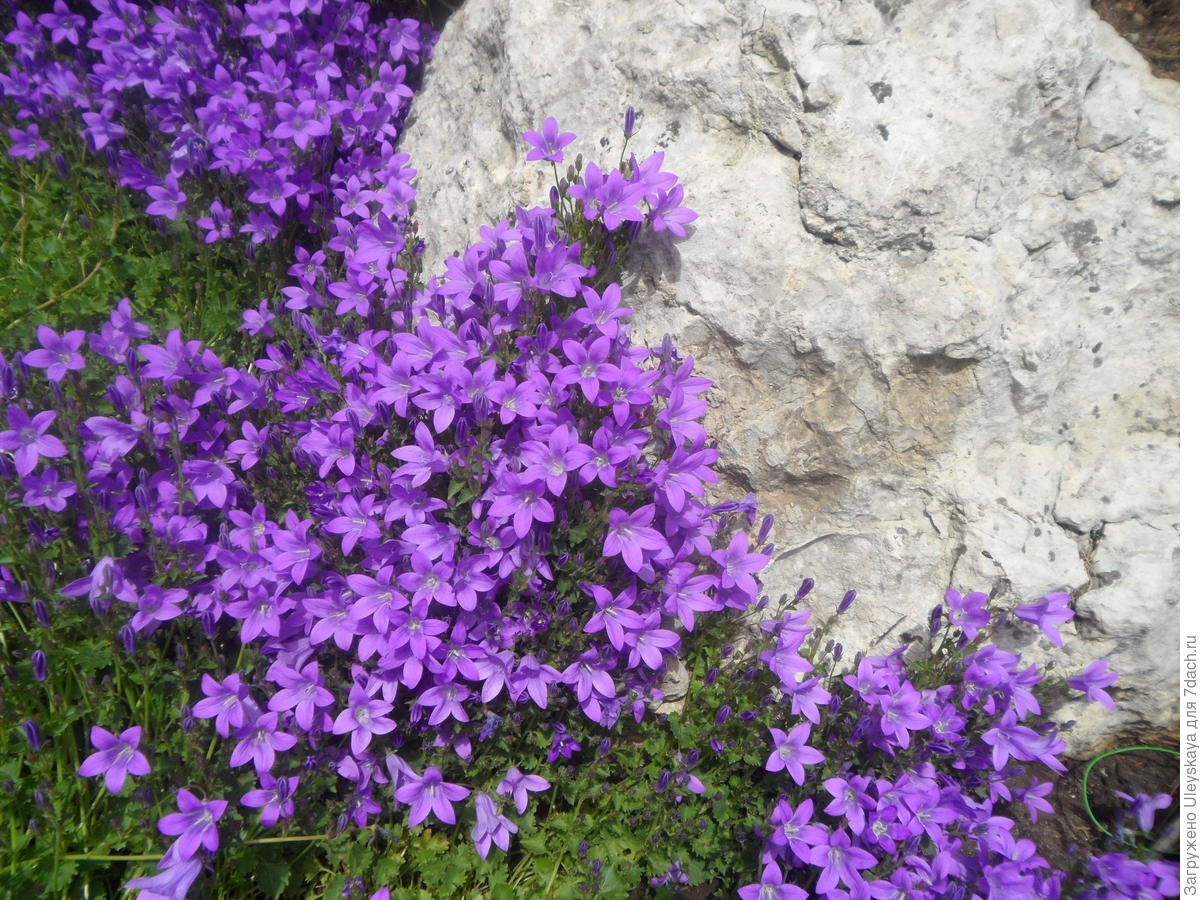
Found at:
[1087, 771]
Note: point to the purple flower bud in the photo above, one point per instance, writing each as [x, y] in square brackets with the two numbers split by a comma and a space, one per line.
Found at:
[718, 747]
[208, 624]
[692, 758]
[39, 797]
[128, 639]
[605, 746]
[583, 848]
[837, 652]
[835, 704]
[630, 118]
[635, 229]
[187, 719]
[723, 714]
[596, 866]
[554, 197]
[711, 676]
[847, 600]
[806, 587]
[8, 380]
[726, 651]
[61, 162]
[32, 735]
[42, 613]
[39, 665]
[935, 620]
[765, 528]
[664, 779]
[749, 715]
[343, 822]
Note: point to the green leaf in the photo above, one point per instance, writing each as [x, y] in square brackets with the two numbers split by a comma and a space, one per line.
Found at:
[89, 655]
[272, 877]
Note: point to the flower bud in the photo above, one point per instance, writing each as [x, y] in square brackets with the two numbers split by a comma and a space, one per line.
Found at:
[128, 639]
[41, 612]
[935, 620]
[723, 714]
[39, 665]
[806, 587]
[630, 118]
[32, 734]
[847, 599]
[765, 528]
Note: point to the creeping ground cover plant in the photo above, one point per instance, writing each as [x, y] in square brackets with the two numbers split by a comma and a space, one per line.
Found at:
[398, 606]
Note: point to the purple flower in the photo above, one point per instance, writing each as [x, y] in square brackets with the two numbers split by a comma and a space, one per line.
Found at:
[157, 605]
[430, 793]
[195, 824]
[302, 691]
[547, 144]
[32, 734]
[850, 800]
[1143, 807]
[45, 490]
[516, 785]
[226, 700]
[26, 143]
[58, 354]
[1093, 680]
[631, 535]
[1051, 610]
[173, 880]
[490, 827]
[259, 742]
[167, 198]
[840, 862]
[363, 719]
[969, 613]
[274, 798]
[792, 752]
[738, 565]
[771, 886]
[115, 757]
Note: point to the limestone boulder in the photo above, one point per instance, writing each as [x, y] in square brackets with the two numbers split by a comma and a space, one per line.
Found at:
[934, 278]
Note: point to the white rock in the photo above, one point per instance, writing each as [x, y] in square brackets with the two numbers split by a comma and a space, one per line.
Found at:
[935, 278]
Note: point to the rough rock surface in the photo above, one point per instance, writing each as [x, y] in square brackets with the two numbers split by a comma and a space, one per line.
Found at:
[935, 278]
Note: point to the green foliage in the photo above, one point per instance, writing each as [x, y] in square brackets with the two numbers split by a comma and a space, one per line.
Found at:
[71, 247]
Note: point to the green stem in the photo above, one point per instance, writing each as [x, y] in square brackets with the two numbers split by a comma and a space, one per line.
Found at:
[130, 857]
[286, 840]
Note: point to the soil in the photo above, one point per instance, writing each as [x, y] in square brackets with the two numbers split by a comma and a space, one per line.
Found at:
[1152, 26]
[1068, 833]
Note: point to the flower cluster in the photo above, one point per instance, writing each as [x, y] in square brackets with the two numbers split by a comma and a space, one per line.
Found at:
[502, 500]
[921, 760]
[241, 118]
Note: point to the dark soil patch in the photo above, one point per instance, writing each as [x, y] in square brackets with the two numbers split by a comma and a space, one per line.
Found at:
[1152, 26]
[1068, 834]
